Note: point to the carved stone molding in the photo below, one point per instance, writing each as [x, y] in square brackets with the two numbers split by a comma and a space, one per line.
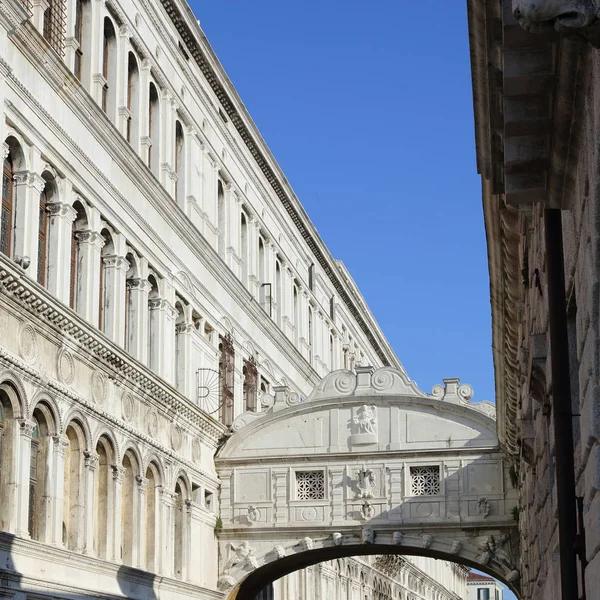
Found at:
[65, 367]
[27, 343]
[99, 387]
[128, 407]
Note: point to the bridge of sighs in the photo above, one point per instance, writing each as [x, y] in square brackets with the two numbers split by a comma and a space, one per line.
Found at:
[367, 464]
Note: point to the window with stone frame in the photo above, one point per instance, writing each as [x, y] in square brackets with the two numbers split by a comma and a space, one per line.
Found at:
[310, 485]
[425, 480]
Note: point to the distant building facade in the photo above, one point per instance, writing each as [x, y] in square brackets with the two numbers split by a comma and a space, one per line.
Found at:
[535, 67]
[482, 587]
[157, 277]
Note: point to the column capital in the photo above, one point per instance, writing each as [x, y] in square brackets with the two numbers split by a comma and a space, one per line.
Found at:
[139, 283]
[21, 177]
[90, 237]
[61, 209]
[91, 460]
[26, 427]
[60, 443]
[142, 483]
[116, 262]
[117, 472]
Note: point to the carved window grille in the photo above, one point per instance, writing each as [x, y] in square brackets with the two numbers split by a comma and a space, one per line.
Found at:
[310, 485]
[424, 481]
[250, 384]
[55, 25]
[226, 377]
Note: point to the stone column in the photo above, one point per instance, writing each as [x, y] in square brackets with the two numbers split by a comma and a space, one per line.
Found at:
[26, 190]
[89, 245]
[167, 142]
[123, 113]
[137, 331]
[91, 462]
[118, 472]
[233, 215]
[168, 346]
[97, 82]
[58, 281]
[139, 549]
[144, 110]
[252, 230]
[183, 350]
[113, 314]
[59, 447]
[167, 501]
[186, 542]
[26, 428]
[287, 308]
[158, 325]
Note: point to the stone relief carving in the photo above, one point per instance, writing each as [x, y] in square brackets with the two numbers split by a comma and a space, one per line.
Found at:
[564, 16]
[65, 366]
[152, 423]
[367, 535]
[279, 552]
[337, 538]
[427, 541]
[483, 507]
[196, 450]
[307, 543]
[366, 419]
[27, 342]
[241, 556]
[456, 547]
[252, 515]
[176, 437]
[397, 538]
[128, 407]
[367, 511]
[99, 388]
[365, 483]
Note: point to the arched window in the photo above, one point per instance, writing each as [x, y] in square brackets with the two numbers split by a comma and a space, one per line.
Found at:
[244, 248]
[73, 489]
[8, 433]
[154, 130]
[131, 309]
[81, 33]
[128, 509]
[278, 292]
[6, 223]
[103, 486]
[153, 323]
[221, 218]
[179, 164]
[42, 238]
[133, 100]
[151, 561]
[179, 533]
[109, 68]
[38, 492]
[80, 224]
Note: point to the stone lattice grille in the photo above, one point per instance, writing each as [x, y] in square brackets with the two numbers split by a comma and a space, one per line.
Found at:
[310, 485]
[424, 481]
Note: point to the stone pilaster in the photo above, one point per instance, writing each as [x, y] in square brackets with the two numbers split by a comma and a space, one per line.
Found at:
[90, 464]
[26, 428]
[137, 328]
[59, 447]
[113, 313]
[117, 474]
[87, 293]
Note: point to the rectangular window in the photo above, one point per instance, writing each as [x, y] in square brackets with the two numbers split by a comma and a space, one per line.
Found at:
[483, 594]
[310, 485]
[425, 481]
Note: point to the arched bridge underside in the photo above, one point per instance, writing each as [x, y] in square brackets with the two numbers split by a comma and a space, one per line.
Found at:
[367, 464]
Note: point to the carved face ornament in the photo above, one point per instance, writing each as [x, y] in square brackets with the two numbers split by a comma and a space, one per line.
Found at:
[563, 15]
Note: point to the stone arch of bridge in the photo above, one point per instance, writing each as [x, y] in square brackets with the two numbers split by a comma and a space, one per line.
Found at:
[367, 464]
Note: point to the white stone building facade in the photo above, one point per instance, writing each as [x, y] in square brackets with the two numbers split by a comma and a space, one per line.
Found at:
[157, 274]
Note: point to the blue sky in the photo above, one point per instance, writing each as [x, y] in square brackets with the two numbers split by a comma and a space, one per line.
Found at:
[368, 109]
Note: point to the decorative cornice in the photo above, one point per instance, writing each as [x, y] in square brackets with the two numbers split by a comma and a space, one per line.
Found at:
[309, 236]
[37, 301]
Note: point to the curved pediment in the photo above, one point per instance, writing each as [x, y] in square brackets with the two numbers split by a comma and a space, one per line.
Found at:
[370, 411]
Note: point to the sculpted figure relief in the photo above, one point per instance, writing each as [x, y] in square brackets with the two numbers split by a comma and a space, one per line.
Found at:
[366, 419]
[366, 483]
[242, 555]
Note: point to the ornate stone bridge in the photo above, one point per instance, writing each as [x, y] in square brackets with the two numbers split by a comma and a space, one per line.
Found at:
[367, 464]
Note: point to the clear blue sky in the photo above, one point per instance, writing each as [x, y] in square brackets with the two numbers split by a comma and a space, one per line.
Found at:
[368, 109]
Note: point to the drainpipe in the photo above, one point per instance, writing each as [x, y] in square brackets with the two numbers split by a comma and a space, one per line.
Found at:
[561, 404]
